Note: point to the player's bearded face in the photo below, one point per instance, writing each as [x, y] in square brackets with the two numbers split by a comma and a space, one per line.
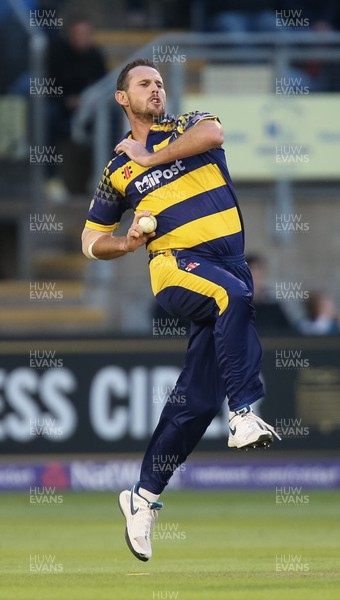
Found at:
[146, 94]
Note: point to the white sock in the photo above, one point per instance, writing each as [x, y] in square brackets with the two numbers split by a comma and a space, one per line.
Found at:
[149, 496]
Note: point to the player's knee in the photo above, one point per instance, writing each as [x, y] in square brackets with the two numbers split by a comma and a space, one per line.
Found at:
[238, 295]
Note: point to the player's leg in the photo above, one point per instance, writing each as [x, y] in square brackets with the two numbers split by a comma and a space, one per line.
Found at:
[223, 292]
[239, 355]
[189, 410]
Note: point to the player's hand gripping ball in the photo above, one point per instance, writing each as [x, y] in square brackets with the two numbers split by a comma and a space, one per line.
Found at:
[148, 224]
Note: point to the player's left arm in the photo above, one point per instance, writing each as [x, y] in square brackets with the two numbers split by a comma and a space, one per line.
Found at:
[204, 136]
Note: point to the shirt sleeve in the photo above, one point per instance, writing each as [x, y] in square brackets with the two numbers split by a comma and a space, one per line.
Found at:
[184, 122]
[107, 206]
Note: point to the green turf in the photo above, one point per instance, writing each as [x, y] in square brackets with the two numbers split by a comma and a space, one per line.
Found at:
[216, 545]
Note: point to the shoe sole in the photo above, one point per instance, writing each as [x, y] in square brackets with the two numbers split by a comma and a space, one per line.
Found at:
[141, 557]
[264, 441]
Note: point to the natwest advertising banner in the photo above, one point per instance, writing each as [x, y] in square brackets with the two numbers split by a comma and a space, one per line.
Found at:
[94, 396]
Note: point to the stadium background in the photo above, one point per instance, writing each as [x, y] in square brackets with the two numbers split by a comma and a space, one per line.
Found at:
[87, 360]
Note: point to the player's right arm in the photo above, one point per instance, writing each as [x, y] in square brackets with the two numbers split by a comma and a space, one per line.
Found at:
[103, 218]
[105, 246]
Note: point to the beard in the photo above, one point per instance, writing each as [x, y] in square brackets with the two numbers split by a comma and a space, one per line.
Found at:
[147, 114]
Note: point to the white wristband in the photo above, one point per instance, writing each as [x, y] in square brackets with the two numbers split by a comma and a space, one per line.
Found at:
[89, 251]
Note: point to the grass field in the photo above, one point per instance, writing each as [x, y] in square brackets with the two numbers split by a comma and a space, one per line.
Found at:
[208, 545]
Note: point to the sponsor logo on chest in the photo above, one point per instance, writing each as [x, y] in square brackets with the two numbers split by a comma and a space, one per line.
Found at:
[157, 176]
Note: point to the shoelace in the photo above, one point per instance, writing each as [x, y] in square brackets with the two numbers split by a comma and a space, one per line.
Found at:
[147, 518]
[262, 422]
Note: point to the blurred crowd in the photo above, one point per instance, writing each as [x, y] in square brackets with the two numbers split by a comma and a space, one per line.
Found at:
[320, 315]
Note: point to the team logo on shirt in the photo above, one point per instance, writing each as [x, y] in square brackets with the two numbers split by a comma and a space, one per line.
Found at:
[154, 178]
[127, 172]
[191, 266]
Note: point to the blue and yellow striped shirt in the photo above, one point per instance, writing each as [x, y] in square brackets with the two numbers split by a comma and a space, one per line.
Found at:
[193, 198]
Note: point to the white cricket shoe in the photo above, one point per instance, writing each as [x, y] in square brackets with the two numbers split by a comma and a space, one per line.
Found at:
[247, 430]
[141, 516]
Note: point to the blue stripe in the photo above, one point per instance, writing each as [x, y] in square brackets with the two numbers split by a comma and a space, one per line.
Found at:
[196, 207]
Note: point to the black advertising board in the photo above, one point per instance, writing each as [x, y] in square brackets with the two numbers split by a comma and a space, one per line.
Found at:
[103, 396]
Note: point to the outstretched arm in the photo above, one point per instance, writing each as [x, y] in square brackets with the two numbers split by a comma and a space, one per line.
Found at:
[202, 137]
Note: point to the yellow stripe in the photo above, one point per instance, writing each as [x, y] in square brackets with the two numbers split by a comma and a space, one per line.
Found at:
[163, 144]
[203, 179]
[199, 231]
[165, 273]
[117, 177]
[99, 227]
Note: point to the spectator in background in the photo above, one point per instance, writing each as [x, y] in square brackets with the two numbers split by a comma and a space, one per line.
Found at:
[270, 318]
[74, 63]
[321, 315]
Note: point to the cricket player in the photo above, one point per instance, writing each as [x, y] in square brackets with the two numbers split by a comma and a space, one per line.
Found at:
[175, 169]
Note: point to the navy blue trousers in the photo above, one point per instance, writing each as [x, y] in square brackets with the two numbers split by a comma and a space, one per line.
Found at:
[223, 357]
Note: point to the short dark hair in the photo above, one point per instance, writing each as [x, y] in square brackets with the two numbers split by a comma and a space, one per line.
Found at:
[122, 81]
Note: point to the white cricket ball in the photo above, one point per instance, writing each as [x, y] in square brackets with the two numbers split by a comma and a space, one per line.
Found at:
[148, 224]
